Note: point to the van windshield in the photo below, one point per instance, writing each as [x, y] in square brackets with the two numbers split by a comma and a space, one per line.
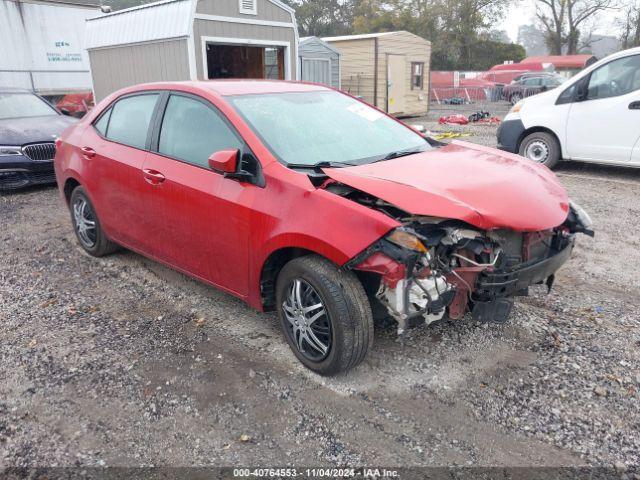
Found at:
[310, 128]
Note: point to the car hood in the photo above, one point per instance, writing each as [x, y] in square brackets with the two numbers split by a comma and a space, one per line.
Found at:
[19, 131]
[482, 186]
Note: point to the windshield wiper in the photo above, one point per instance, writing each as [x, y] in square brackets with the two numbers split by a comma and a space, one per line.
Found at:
[318, 165]
[400, 153]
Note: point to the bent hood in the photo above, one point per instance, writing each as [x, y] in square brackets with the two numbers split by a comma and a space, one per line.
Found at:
[482, 186]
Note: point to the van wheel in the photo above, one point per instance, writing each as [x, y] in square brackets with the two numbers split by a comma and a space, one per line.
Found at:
[87, 225]
[325, 314]
[515, 98]
[541, 147]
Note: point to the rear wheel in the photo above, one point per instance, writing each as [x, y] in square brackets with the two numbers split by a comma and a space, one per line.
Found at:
[87, 225]
[515, 98]
[541, 147]
[325, 314]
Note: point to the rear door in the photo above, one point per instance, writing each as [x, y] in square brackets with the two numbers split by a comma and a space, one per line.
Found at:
[396, 83]
[603, 125]
[200, 220]
[114, 151]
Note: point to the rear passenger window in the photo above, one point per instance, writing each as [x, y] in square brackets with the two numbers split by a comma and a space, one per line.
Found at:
[130, 119]
[192, 131]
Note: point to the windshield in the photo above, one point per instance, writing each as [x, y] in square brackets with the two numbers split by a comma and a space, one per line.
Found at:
[22, 105]
[324, 126]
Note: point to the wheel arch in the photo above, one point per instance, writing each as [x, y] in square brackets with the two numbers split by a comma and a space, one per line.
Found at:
[69, 185]
[285, 248]
[536, 129]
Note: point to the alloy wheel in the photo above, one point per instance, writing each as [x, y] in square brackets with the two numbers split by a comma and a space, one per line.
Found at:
[538, 151]
[85, 222]
[308, 322]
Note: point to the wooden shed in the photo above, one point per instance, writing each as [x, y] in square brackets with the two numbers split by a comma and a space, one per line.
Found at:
[389, 70]
[319, 62]
[192, 40]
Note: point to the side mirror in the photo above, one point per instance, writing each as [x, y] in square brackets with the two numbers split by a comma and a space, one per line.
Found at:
[225, 161]
[66, 112]
[419, 128]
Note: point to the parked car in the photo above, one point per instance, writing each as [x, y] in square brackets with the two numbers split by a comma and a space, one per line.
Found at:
[302, 199]
[76, 104]
[28, 127]
[528, 84]
[593, 117]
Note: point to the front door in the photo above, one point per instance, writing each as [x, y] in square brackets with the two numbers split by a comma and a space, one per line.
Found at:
[603, 126]
[200, 223]
[396, 83]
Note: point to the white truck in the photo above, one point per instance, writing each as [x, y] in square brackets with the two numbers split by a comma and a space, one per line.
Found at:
[42, 45]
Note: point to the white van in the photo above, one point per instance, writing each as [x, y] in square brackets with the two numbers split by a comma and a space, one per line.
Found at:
[593, 117]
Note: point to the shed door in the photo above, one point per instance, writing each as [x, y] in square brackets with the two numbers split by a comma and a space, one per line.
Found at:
[316, 70]
[396, 83]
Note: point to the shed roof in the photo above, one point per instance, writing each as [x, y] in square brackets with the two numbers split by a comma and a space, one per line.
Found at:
[152, 21]
[307, 40]
[358, 37]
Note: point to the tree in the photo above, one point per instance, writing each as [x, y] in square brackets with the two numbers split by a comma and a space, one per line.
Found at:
[564, 20]
[630, 26]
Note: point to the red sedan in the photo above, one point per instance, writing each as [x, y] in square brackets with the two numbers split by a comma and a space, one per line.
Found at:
[302, 199]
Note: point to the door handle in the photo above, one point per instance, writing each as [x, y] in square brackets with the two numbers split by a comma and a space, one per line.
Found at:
[153, 176]
[634, 105]
[88, 152]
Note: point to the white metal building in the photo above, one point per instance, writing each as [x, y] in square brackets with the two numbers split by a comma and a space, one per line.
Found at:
[42, 45]
[174, 40]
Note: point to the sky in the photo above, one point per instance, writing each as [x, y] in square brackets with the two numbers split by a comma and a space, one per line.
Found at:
[522, 13]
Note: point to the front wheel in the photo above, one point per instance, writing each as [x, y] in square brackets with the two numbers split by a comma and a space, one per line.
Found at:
[325, 314]
[541, 147]
[515, 98]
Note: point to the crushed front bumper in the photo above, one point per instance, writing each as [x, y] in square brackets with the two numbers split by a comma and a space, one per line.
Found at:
[494, 289]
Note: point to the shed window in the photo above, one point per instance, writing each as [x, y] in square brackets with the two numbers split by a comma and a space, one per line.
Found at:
[417, 76]
[249, 7]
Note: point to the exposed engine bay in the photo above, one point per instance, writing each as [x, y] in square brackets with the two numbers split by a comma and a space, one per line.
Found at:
[432, 267]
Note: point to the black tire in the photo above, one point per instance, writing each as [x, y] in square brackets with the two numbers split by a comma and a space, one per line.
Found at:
[515, 98]
[541, 147]
[93, 241]
[348, 313]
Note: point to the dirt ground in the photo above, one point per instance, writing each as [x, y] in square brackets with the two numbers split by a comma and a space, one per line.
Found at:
[123, 362]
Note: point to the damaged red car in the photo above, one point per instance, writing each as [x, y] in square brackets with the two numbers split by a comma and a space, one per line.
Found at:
[301, 199]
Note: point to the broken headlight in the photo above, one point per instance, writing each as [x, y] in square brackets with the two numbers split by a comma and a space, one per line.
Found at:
[407, 240]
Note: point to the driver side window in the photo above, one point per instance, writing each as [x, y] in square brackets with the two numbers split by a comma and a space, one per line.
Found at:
[618, 77]
[191, 131]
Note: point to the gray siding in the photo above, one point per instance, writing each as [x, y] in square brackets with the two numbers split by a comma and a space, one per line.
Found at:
[315, 48]
[113, 68]
[231, 8]
[241, 31]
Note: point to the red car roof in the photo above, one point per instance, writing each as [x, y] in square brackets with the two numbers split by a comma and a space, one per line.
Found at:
[237, 87]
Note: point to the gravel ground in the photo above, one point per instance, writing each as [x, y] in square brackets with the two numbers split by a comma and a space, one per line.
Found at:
[120, 361]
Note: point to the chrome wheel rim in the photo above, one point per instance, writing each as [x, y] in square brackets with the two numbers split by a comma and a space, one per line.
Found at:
[538, 151]
[85, 222]
[307, 321]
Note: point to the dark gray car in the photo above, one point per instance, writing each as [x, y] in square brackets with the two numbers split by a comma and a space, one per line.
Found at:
[29, 126]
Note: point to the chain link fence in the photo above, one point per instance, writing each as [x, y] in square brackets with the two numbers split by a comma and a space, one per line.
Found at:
[495, 100]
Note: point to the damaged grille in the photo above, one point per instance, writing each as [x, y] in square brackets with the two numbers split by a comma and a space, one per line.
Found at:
[40, 151]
